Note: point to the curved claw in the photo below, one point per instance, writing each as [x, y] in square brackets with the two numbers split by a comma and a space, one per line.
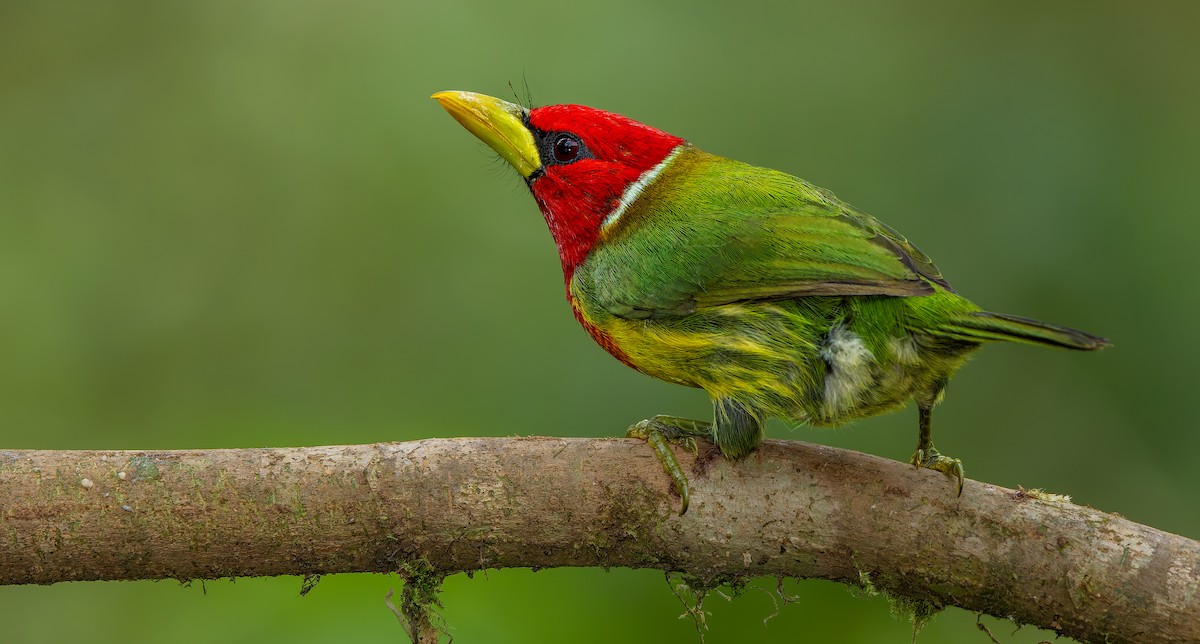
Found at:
[659, 434]
[662, 449]
[933, 459]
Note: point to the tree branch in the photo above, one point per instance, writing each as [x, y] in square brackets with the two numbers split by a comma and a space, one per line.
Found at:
[441, 506]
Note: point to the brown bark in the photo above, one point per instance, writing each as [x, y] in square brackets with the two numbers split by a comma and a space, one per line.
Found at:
[441, 506]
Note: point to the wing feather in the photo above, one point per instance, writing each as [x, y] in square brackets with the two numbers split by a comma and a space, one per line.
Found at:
[711, 246]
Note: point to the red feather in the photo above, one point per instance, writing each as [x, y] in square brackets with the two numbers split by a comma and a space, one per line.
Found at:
[575, 197]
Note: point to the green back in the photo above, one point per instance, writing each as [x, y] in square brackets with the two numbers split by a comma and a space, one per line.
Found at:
[712, 231]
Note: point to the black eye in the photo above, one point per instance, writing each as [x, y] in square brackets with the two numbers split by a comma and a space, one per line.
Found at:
[566, 148]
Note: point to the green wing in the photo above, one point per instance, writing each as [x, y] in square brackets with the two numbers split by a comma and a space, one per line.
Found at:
[720, 246]
[905, 251]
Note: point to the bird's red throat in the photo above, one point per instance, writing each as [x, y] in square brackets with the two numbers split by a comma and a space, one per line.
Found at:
[576, 198]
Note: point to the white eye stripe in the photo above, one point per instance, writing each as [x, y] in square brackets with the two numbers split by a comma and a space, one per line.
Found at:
[635, 189]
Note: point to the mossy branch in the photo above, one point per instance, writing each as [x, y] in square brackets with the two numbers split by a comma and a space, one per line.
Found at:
[444, 506]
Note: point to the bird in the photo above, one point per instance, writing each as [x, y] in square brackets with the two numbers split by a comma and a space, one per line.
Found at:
[764, 290]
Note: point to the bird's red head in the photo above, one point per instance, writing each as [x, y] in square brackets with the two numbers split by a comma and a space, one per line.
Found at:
[579, 162]
[589, 160]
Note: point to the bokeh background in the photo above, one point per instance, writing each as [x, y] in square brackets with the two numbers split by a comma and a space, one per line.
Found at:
[229, 224]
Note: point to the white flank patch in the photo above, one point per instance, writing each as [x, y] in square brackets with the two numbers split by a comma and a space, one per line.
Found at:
[849, 368]
[631, 193]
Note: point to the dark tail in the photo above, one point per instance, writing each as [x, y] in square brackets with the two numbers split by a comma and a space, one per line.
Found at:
[983, 326]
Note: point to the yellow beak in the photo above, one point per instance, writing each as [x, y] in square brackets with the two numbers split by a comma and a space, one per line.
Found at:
[498, 123]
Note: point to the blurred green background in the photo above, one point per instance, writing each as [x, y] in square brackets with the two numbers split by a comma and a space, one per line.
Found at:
[230, 224]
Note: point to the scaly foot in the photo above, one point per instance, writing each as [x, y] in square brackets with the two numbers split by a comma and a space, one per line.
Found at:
[662, 430]
[933, 459]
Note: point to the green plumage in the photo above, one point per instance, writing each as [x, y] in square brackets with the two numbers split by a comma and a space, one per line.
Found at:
[767, 292]
[780, 301]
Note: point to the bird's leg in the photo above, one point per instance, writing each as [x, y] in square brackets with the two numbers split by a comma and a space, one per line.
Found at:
[661, 430]
[738, 431]
[927, 455]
